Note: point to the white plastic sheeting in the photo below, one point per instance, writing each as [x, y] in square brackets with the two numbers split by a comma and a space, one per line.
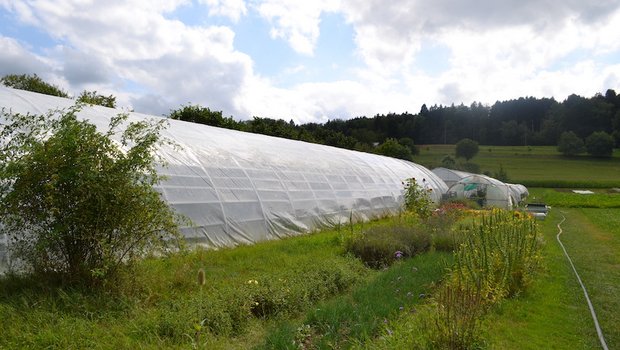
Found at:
[240, 188]
[518, 193]
[450, 176]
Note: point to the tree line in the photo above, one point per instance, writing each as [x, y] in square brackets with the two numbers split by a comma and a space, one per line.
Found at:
[522, 121]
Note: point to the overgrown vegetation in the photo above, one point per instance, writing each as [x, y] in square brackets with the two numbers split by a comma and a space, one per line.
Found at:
[74, 204]
[497, 258]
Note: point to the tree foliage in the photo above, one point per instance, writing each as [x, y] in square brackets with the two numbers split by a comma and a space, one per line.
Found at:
[570, 144]
[600, 144]
[392, 148]
[204, 115]
[93, 98]
[73, 203]
[32, 83]
[466, 148]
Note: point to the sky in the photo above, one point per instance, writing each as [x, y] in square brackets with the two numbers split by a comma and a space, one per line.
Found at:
[312, 61]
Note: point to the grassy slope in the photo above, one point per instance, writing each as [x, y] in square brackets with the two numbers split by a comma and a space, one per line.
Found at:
[554, 313]
[535, 163]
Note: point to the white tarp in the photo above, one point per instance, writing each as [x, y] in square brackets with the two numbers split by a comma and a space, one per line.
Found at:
[238, 187]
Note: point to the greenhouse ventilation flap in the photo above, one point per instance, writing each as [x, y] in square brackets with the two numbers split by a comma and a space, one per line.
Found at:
[240, 188]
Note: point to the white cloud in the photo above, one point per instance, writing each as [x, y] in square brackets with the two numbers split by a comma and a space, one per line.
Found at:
[16, 58]
[495, 50]
[297, 22]
[134, 41]
[232, 9]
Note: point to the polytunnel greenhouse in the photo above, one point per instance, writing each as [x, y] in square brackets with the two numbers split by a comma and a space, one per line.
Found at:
[239, 188]
[484, 190]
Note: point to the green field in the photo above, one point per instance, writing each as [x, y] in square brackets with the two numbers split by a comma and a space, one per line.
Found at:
[537, 166]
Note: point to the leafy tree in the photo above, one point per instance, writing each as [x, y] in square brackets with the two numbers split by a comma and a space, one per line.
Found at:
[408, 142]
[91, 97]
[392, 148]
[600, 144]
[74, 204]
[448, 162]
[32, 83]
[466, 148]
[203, 115]
[570, 144]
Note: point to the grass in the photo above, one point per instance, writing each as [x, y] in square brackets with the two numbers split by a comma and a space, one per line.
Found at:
[567, 199]
[358, 317]
[248, 292]
[535, 166]
[554, 313]
[165, 307]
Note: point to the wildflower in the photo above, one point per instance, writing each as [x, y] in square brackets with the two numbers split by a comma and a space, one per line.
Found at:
[409, 294]
[401, 308]
[252, 282]
[398, 254]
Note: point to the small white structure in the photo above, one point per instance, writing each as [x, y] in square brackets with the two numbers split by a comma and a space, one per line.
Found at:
[486, 191]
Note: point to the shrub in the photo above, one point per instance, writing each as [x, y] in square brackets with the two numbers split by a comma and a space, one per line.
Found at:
[417, 198]
[448, 162]
[91, 97]
[570, 144]
[392, 148]
[380, 246]
[499, 253]
[32, 83]
[72, 202]
[466, 148]
[600, 144]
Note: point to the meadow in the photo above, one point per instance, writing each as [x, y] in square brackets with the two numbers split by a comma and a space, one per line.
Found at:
[535, 166]
[342, 288]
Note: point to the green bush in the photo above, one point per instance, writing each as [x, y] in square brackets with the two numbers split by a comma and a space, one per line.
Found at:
[91, 97]
[570, 144]
[466, 148]
[417, 199]
[72, 202]
[393, 148]
[380, 246]
[32, 83]
[600, 144]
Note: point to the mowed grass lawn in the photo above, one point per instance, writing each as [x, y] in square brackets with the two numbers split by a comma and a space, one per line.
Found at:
[529, 164]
